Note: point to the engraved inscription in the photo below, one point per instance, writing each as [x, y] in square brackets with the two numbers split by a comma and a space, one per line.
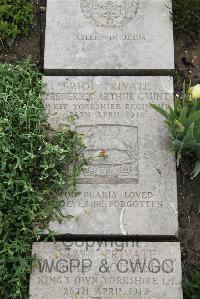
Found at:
[109, 13]
[114, 270]
[120, 143]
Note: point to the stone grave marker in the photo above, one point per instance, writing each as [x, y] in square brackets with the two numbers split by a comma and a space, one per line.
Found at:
[129, 187]
[106, 270]
[108, 37]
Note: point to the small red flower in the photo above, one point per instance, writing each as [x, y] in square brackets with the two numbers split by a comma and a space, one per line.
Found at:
[102, 153]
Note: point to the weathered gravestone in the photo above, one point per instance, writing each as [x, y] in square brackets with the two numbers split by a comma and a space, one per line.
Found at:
[129, 188]
[108, 36]
[84, 270]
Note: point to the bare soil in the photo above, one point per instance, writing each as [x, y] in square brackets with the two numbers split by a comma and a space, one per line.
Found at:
[187, 57]
[189, 215]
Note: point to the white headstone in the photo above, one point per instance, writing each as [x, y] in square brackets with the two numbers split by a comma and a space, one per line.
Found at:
[106, 270]
[132, 190]
[107, 36]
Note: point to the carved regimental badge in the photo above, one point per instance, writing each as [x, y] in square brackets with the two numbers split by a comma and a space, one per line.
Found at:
[109, 13]
[120, 142]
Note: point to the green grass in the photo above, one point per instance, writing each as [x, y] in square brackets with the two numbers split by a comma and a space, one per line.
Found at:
[16, 18]
[37, 164]
[186, 16]
[191, 284]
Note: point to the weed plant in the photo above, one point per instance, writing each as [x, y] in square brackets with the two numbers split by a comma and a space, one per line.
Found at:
[183, 123]
[191, 284]
[37, 163]
[16, 18]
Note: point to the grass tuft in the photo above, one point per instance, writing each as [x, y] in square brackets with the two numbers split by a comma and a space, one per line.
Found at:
[191, 284]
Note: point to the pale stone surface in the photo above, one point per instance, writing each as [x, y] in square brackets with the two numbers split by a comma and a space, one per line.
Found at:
[133, 191]
[107, 270]
[114, 36]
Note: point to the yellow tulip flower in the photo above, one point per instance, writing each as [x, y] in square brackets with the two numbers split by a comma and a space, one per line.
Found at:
[195, 92]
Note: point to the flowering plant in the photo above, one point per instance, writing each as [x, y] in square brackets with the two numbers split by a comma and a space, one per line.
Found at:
[195, 92]
[183, 122]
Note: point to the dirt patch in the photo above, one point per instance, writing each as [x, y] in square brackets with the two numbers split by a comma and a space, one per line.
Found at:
[187, 57]
[189, 214]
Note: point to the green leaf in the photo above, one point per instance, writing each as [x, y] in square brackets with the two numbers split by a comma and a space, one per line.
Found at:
[190, 134]
[178, 145]
[160, 110]
[196, 170]
[183, 115]
[173, 115]
[194, 106]
[193, 118]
